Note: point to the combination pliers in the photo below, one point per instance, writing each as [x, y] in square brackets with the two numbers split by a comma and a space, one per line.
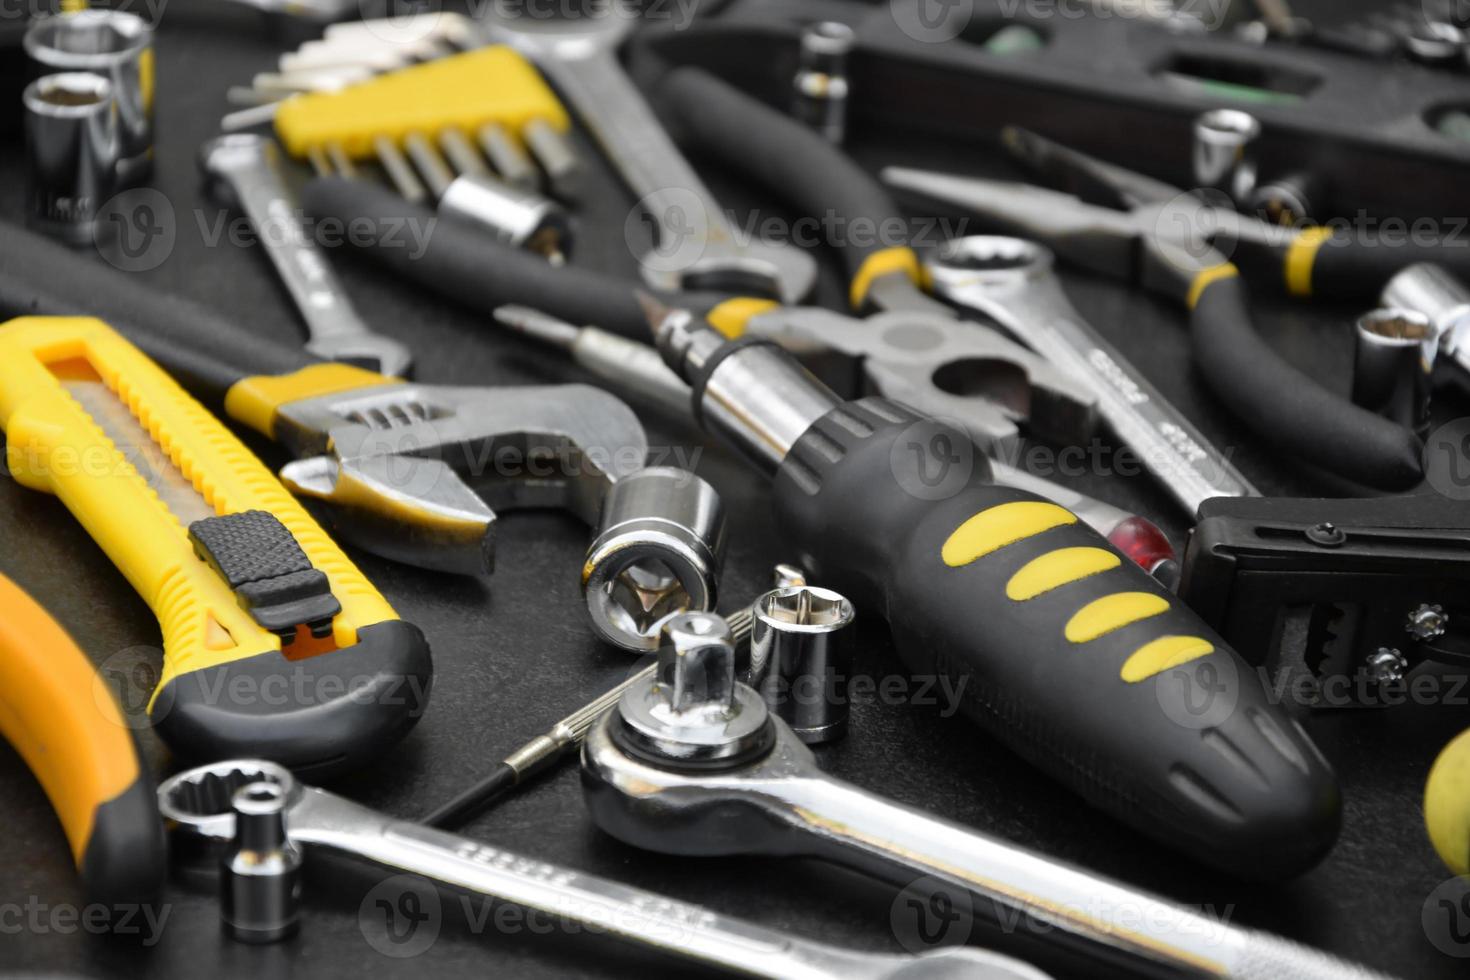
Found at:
[1198, 251]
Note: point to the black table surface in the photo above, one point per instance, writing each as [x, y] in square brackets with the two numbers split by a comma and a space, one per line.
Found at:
[513, 652]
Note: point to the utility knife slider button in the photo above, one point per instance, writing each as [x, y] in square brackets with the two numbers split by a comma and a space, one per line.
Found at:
[260, 559]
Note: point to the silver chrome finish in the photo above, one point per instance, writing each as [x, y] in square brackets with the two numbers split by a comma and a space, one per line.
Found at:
[1012, 282]
[820, 87]
[196, 805]
[695, 246]
[400, 172]
[553, 151]
[118, 46]
[519, 218]
[1386, 666]
[1224, 152]
[507, 157]
[692, 711]
[782, 804]
[1435, 292]
[245, 169]
[1291, 201]
[1393, 366]
[1427, 622]
[260, 871]
[314, 11]
[758, 398]
[71, 153]
[657, 551]
[416, 472]
[801, 659]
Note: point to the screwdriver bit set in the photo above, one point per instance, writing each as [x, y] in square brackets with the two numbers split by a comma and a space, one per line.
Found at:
[880, 396]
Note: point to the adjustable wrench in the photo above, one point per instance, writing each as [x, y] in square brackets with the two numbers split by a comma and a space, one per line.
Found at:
[197, 805]
[693, 763]
[1011, 281]
[696, 247]
[245, 170]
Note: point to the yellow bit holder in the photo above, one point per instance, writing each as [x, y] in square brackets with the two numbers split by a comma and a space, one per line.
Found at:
[464, 91]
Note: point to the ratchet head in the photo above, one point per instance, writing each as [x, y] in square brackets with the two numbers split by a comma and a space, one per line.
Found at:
[417, 472]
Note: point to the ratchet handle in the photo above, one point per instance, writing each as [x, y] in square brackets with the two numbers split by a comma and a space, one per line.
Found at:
[1289, 410]
[206, 352]
[793, 161]
[471, 268]
[1058, 645]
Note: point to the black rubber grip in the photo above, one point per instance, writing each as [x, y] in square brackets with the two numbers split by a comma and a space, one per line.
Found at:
[1058, 644]
[790, 160]
[204, 351]
[263, 564]
[1287, 409]
[468, 266]
[1355, 267]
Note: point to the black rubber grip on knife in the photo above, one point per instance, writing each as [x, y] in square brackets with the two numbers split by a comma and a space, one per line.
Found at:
[716, 120]
[203, 350]
[469, 266]
[1289, 410]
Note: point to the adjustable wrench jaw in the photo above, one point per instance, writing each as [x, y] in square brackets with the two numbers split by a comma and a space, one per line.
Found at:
[417, 473]
[947, 368]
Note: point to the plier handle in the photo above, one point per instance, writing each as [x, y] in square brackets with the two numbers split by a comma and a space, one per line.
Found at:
[1196, 251]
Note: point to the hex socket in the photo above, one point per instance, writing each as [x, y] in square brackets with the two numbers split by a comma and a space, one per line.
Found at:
[801, 659]
[71, 153]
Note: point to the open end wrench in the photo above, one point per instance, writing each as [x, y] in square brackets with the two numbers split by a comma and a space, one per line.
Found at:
[696, 247]
[196, 804]
[1011, 281]
[245, 171]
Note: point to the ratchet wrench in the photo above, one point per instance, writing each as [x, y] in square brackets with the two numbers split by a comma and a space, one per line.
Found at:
[244, 169]
[695, 247]
[1011, 281]
[196, 804]
[693, 763]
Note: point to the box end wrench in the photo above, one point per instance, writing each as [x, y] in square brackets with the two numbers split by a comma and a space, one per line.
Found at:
[197, 805]
[695, 247]
[1011, 281]
[244, 170]
[692, 763]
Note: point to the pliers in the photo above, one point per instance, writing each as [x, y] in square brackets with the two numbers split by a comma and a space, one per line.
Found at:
[1195, 250]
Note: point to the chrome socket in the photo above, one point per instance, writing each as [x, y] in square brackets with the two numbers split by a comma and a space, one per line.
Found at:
[119, 47]
[260, 870]
[1225, 152]
[801, 657]
[1393, 370]
[821, 88]
[658, 549]
[71, 153]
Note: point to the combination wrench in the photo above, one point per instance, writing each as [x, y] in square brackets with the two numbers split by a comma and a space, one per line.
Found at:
[197, 806]
[244, 170]
[1011, 281]
[696, 246]
[693, 763]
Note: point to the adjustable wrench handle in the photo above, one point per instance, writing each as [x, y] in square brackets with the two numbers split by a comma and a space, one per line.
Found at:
[1020, 889]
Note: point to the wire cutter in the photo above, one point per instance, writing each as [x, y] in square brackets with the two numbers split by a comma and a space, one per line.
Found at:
[1192, 249]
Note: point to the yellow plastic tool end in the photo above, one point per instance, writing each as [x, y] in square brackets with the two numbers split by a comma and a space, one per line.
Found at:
[733, 315]
[1207, 278]
[890, 260]
[1447, 805]
[254, 400]
[994, 528]
[463, 91]
[1301, 257]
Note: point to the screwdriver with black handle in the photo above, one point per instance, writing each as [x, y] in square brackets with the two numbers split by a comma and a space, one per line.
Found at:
[1061, 647]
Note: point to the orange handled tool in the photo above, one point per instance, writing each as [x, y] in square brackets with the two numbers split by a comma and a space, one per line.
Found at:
[72, 735]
